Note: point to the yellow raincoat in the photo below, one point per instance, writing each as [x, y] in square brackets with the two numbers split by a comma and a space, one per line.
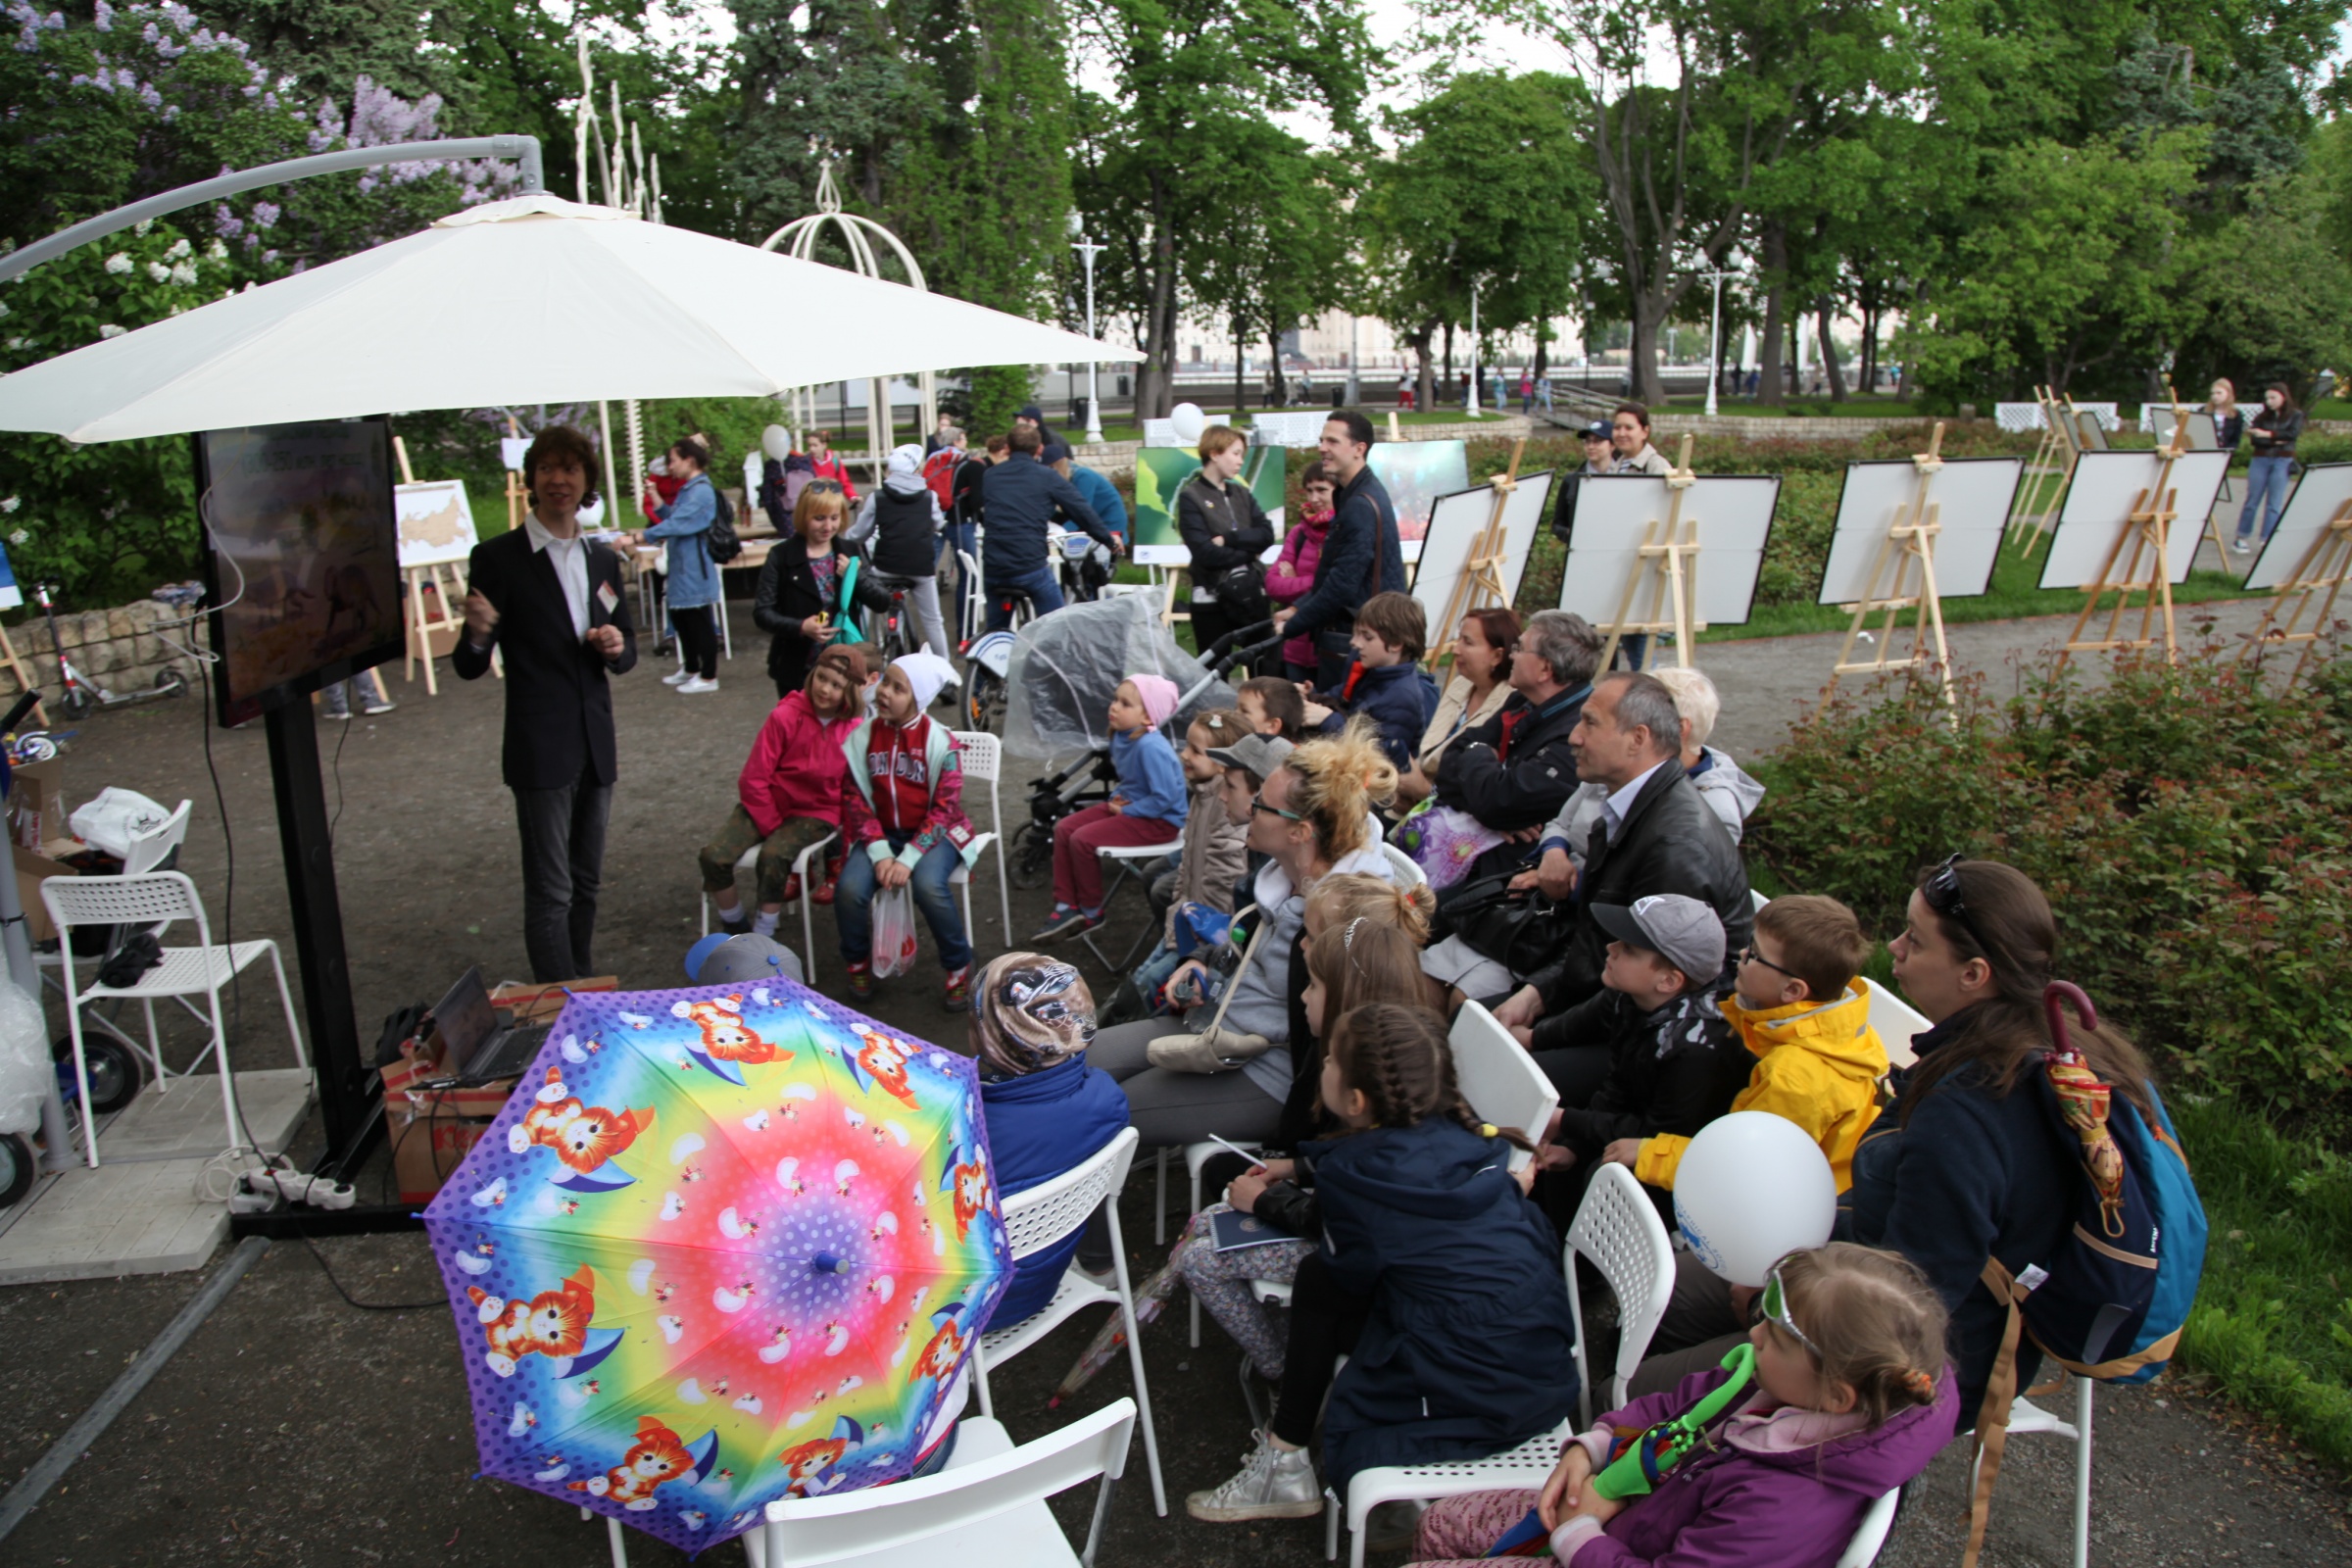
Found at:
[1817, 1066]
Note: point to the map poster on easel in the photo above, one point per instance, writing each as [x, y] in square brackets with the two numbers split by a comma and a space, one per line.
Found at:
[1649, 554]
[436, 522]
[2306, 561]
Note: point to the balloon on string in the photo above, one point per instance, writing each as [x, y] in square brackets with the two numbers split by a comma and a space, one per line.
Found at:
[1752, 1188]
[1186, 421]
[776, 442]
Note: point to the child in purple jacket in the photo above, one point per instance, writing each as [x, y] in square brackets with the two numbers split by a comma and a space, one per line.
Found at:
[1853, 1398]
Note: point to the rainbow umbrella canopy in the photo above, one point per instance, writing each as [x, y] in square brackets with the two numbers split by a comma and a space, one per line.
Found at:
[723, 1245]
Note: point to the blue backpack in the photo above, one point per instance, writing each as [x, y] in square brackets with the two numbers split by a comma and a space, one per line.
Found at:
[2111, 1303]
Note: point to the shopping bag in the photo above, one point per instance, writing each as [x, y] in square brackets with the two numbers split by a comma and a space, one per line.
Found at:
[115, 816]
[893, 931]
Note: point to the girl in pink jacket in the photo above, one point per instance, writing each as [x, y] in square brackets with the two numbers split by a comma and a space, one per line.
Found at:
[788, 796]
[1292, 573]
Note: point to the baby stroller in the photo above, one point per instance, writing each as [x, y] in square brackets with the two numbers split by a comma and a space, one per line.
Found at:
[1060, 674]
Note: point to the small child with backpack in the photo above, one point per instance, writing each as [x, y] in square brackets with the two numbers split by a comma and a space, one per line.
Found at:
[899, 527]
[1147, 806]
[1435, 1275]
[1851, 1398]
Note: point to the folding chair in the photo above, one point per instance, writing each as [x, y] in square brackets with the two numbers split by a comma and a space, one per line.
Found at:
[148, 851]
[153, 898]
[2027, 1419]
[1129, 859]
[1619, 1230]
[1895, 1019]
[986, 1510]
[1408, 870]
[1870, 1535]
[975, 598]
[807, 870]
[984, 760]
[1035, 1221]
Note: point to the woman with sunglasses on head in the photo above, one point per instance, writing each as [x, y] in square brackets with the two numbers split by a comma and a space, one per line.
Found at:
[1966, 1164]
[1850, 1397]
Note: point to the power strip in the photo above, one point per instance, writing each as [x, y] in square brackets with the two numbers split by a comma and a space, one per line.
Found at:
[296, 1188]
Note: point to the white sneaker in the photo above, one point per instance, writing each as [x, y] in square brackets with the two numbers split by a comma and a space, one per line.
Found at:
[385, 705]
[678, 676]
[1274, 1484]
[695, 686]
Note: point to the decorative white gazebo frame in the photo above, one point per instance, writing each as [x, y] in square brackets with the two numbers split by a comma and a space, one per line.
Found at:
[865, 240]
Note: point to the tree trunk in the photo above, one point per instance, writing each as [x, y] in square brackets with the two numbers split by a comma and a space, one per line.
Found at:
[1239, 398]
[1828, 349]
[1281, 382]
[1768, 340]
[1641, 356]
[1448, 359]
[1156, 377]
[1424, 379]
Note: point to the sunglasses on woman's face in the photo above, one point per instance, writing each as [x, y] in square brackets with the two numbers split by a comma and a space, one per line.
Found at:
[1941, 890]
[1776, 1311]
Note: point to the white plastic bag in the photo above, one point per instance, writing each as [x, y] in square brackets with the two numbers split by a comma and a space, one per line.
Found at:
[116, 816]
[26, 1071]
[893, 931]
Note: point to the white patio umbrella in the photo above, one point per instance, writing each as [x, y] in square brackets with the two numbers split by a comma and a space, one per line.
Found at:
[530, 300]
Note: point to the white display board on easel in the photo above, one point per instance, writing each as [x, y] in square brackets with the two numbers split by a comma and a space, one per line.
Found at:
[2119, 534]
[436, 522]
[1694, 541]
[2306, 559]
[1458, 524]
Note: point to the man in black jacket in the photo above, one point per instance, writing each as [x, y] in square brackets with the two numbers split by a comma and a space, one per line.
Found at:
[1021, 498]
[553, 603]
[1654, 836]
[1361, 555]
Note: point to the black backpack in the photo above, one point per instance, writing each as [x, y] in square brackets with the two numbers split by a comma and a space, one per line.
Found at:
[722, 543]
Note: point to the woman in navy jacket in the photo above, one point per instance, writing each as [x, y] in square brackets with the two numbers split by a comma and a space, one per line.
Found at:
[1965, 1164]
[1047, 1111]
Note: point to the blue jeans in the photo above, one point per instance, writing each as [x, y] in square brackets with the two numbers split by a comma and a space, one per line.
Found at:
[2268, 477]
[853, 898]
[1042, 587]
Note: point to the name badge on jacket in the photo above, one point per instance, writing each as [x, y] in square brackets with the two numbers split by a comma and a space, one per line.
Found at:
[607, 600]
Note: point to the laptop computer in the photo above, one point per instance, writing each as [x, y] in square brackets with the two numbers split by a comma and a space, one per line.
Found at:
[483, 1050]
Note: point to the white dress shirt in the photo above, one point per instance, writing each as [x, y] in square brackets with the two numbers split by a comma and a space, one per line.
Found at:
[570, 560]
[1613, 809]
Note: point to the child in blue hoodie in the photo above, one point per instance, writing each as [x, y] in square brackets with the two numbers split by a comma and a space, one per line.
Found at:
[1149, 806]
[1385, 683]
[1435, 1275]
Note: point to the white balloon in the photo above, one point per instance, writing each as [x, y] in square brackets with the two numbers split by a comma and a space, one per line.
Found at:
[1188, 422]
[1750, 1188]
[776, 442]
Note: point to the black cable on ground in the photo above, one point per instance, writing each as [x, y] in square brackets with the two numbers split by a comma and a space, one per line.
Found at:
[366, 1306]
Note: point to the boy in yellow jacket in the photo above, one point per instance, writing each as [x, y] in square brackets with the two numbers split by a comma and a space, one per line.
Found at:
[1818, 1065]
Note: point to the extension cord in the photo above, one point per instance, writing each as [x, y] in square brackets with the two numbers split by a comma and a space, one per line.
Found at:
[296, 1188]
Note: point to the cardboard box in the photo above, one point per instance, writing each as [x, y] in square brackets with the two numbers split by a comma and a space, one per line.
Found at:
[35, 866]
[36, 804]
[429, 1128]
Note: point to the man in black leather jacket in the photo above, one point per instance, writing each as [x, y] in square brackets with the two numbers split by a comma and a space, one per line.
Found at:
[1655, 836]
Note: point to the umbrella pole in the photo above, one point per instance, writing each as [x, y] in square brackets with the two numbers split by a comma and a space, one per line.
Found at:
[604, 424]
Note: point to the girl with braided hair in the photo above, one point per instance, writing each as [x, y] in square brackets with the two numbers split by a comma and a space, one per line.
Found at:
[1433, 1273]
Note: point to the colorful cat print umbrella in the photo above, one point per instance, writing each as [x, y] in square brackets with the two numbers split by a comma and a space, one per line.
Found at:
[723, 1245]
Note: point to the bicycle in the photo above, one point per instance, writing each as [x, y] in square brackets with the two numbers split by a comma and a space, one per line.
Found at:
[83, 692]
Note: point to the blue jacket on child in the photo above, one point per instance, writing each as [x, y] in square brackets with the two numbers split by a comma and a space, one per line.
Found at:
[1039, 1126]
[1469, 1349]
[1401, 698]
[1150, 778]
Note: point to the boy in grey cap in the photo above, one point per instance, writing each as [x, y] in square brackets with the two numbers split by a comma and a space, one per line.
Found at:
[1650, 1052]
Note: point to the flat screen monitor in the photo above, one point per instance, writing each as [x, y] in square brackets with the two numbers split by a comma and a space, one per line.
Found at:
[302, 557]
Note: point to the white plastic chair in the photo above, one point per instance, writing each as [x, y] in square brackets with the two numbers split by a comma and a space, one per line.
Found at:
[154, 898]
[1128, 859]
[1499, 1078]
[1408, 870]
[975, 599]
[147, 851]
[985, 1509]
[1038, 1218]
[1618, 1228]
[2028, 1419]
[983, 760]
[808, 865]
[1870, 1535]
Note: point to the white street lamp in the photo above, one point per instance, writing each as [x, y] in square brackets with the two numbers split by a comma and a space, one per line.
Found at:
[1471, 407]
[1087, 251]
[1715, 340]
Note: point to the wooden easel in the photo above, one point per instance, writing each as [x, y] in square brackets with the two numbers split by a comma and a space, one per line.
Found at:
[1480, 586]
[2061, 445]
[2213, 521]
[435, 633]
[1666, 561]
[1910, 541]
[2323, 568]
[2147, 530]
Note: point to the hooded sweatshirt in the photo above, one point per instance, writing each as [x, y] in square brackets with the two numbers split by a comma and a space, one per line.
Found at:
[1261, 1002]
[1469, 1347]
[1778, 1488]
[1817, 1066]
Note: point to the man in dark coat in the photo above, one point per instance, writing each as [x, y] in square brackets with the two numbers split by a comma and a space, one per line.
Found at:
[553, 603]
[1021, 497]
[1361, 555]
[1514, 771]
[1655, 835]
